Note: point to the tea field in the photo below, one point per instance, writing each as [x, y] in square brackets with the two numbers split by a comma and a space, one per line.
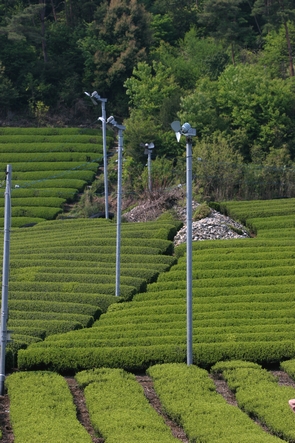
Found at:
[49, 168]
[66, 320]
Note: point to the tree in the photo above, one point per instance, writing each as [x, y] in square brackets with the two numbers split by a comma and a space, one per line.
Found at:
[254, 111]
[275, 52]
[116, 41]
[227, 22]
[154, 99]
[8, 94]
[217, 167]
[277, 13]
[193, 58]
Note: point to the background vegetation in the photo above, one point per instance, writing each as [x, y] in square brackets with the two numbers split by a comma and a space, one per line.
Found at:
[157, 61]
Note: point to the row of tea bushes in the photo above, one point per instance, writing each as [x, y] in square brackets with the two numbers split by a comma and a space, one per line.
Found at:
[118, 409]
[43, 159]
[257, 208]
[62, 273]
[189, 397]
[239, 312]
[42, 409]
[259, 395]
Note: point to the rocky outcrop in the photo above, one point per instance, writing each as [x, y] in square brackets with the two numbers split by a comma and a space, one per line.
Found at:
[214, 227]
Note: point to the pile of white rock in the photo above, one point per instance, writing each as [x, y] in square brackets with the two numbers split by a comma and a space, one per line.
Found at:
[214, 227]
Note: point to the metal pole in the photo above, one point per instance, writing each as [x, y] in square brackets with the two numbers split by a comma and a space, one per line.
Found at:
[105, 159]
[5, 277]
[189, 250]
[149, 169]
[119, 198]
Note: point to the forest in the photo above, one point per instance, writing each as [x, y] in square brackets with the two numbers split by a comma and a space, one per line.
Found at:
[224, 66]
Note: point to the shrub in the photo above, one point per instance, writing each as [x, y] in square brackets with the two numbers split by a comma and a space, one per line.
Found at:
[190, 398]
[42, 409]
[116, 393]
[202, 211]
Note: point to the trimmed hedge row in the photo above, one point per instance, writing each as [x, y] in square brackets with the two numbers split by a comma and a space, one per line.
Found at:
[172, 338]
[238, 264]
[140, 284]
[271, 271]
[90, 266]
[116, 394]
[20, 222]
[50, 326]
[261, 208]
[24, 157]
[37, 167]
[50, 138]
[42, 409]
[51, 183]
[55, 306]
[103, 258]
[138, 276]
[85, 320]
[259, 395]
[100, 301]
[139, 358]
[67, 193]
[189, 396]
[74, 174]
[8, 130]
[38, 148]
[90, 244]
[56, 202]
[44, 212]
[126, 291]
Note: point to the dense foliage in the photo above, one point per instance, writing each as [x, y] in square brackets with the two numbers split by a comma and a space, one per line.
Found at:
[226, 66]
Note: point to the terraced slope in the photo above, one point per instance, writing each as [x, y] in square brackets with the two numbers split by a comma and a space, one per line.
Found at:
[243, 308]
[49, 167]
[62, 273]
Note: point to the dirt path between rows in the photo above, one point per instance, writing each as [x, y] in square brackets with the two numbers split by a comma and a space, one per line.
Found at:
[147, 384]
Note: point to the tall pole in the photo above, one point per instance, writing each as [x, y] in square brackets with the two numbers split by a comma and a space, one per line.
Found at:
[5, 277]
[96, 98]
[189, 250]
[189, 132]
[119, 204]
[149, 169]
[105, 159]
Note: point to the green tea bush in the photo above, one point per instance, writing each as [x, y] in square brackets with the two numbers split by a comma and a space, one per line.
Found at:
[190, 398]
[85, 320]
[38, 167]
[51, 183]
[289, 367]
[55, 306]
[66, 193]
[72, 360]
[50, 326]
[73, 174]
[66, 138]
[45, 212]
[115, 393]
[38, 148]
[24, 157]
[19, 222]
[56, 202]
[42, 409]
[259, 395]
[8, 130]
[100, 301]
[126, 291]
[30, 331]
